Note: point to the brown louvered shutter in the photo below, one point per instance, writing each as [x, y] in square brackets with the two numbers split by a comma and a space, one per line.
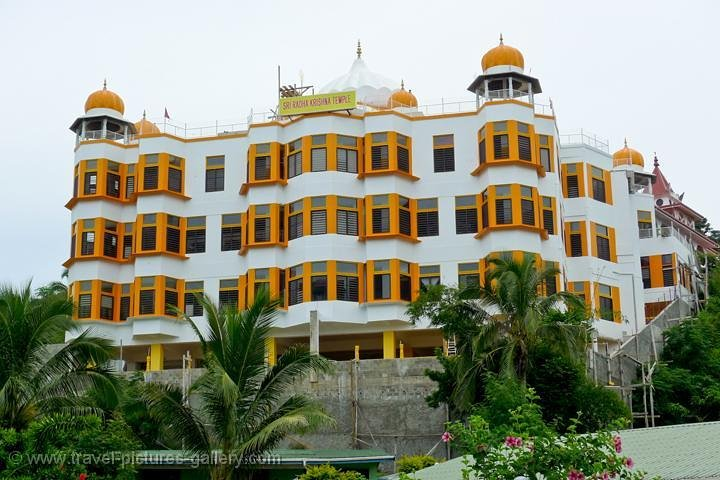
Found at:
[148, 238]
[528, 212]
[171, 302]
[573, 187]
[175, 180]
[549, 222]
[444, 159]
[172, 240]
[113, 185]
[110, 245]
[524, 148]
[603, 248]
[503, 211]
[501, 147]
[379, 159]
[405, 222]
[150, 180]
[427, 224]
[381, 220]
[262, 229]
[598, 190]
[466, 221]
[318, 222]
[403, 158]
[576, 245]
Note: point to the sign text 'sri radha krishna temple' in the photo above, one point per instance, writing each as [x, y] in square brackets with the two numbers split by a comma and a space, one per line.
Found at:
[324, 102]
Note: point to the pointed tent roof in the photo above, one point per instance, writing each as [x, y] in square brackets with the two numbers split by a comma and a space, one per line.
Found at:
[371, 88]
[661, 186]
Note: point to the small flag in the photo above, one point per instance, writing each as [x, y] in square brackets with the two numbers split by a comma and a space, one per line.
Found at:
[167, 115]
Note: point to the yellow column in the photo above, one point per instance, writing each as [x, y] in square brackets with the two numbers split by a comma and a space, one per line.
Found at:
[389, 344]
[157, 357]
[271, 350]
[357, 352]
[402, 350]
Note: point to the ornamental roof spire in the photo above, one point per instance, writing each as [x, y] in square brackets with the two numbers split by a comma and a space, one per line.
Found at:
[359, 49]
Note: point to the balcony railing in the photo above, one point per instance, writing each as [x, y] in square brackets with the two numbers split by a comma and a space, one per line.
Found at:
[585, 138]
[98, 135]
[645, 233]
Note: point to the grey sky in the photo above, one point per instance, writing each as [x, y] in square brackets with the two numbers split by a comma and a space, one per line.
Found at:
[641, 69]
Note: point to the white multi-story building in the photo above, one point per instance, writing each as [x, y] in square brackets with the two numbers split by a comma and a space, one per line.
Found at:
[343, 215]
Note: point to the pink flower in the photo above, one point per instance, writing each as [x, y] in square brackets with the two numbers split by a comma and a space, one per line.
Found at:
[575, 475]
[604, 476]
[618, 444]
[629, 462]
[446, 437]
[82, 476]
[513, 441]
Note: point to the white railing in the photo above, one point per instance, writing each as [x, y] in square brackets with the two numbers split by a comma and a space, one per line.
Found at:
[646, 233]
[585, 138]
[98, 135]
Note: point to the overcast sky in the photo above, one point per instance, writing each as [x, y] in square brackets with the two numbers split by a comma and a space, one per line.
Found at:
[641, 69]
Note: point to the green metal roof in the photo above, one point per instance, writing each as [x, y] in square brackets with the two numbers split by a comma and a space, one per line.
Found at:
[449, 470]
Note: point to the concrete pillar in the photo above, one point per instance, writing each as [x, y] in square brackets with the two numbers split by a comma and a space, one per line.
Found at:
[271, 350]
[357, 352]
[156, 359]
[314, 332]
[104, 128]
[389, 344]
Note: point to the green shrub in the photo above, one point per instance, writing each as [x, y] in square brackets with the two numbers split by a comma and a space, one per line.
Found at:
[328, 472]
[413, 463]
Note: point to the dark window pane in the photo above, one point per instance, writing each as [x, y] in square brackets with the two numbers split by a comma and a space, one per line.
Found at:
[127, 246]
[501, 147]
[576, 249]
[524, 148]
[381, 286]
[379, 159]
[405, 288]
[148, 238]
[482, 152]
[124, 308]
[603, 248]
[228, 298]
[171, 302]
[193, 307]
[427, 224]
[503, 211]
[294, 164]
[466, 221]
[107, 307]
[444, 159]
[110, 246]
[175, 180]
[545, 159]
[262, 168]
[606, 308]
[262, 229]
[195, 241]
[113, 185]
[528, 212]
[90, 187]
[295, 291]
[295, 226]
[405, 222]
[215, 180]
[381, 220]
[468, 279]
[347, 222]
[230, 239]
[172, 240]
[87, 243]
[150, 180]
[84, 305]
[147, 302]
[573, 187]
[319, 288]
[598, 190]
[403, 159]
[347, 288]
[485, 214]
[129, 186]
[549, 222]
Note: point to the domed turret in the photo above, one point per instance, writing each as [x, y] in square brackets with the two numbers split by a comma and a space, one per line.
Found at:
[105, 99]
[502, 56]
[402, 98]
[145, 127]
[628, 156]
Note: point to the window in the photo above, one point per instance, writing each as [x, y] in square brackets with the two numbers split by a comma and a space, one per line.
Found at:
[215, 173]
[130, 182]
[482, 147]
[443, 153]
[527, 206]
[128, 229]
[465, 215]
[263, 162]
[429, 275]
[193, 307]
[606, 307]
[524, 144]
[318, 281]
[347, 282]
[598, 184]
[379, 157]
[468, 275]
[171, 296]
[318, 216]
[572, 180]
[318, 153]
[262, 280]
[428, 224]
[644, 219]
[90, 182]
[112, 180]
[645, 272]
[578, 288]
[231, 232]
[347, 216]
[403, 154]
[175, 174]
[172, 234]
[147, 296]
[151, 172]
[503, 205]
[576, 239]
[381, 280]
[501, 141]
[548, 215]
[262, 223]
[405, 217]
[110, 239]
[347, 154]
[295, 220]
[294, 158]
[545, 159]
[380, 214]
[87, 238]
[148, 235]
[125, 299]
[602, 240]
[295, 285]
[668, 270]
[405, 281]
[84, 308]
[195, 235]
[484, 210]
[229, 294]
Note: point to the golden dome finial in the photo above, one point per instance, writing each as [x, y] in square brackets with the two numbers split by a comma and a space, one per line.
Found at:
[144, 115]
[402, 84]
[626, 142]
[359, 49]
[104, 83]
[501, 39]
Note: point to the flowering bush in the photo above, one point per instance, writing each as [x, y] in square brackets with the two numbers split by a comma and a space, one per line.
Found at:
[527, 449]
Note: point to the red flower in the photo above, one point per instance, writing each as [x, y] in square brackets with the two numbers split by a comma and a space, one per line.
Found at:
[83, 476]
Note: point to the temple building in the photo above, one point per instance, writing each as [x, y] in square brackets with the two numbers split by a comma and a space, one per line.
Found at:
[345, 213]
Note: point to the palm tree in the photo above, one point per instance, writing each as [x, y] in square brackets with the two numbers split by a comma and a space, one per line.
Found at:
[498, 324]
[244, 408]
[36, 377]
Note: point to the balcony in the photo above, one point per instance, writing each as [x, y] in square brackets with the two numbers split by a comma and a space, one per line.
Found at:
[585, 138]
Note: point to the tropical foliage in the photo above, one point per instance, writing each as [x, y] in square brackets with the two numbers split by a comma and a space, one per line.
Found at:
[413, 463]
[243, 409]
[38, 378]
[328, 472]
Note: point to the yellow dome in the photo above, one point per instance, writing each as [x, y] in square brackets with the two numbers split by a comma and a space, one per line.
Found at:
[145, 127]
[402, 98]
[628, 156]
[503, 55]
[105, 99]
